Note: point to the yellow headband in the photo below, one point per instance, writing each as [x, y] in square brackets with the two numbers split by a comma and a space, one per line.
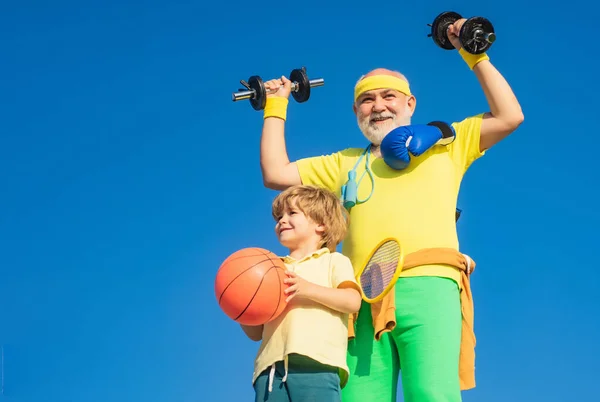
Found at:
[379, 82]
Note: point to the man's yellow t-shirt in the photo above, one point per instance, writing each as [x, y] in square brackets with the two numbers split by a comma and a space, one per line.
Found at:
[416, 205]
[306, 327]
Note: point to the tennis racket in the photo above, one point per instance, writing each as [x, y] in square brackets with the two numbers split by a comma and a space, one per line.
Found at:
[381, 271]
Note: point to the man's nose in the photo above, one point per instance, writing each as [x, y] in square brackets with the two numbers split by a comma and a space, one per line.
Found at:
[379, 105]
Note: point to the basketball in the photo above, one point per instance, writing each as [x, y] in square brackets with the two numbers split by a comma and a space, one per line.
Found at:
[249, 286]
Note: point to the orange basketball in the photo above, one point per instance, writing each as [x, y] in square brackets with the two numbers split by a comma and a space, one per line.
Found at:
[249, 286]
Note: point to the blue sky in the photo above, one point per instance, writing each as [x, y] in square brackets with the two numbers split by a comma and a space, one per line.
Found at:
[128, 175]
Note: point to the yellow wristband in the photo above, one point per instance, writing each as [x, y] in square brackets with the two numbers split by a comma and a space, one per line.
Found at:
[472, 59]
[276, 106]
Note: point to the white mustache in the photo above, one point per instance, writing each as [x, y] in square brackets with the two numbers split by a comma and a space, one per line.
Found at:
[386, 115]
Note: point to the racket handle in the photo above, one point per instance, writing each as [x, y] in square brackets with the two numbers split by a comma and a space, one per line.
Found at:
[350, 190]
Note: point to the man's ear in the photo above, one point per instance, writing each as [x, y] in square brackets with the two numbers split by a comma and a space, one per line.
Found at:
[412, 104]
[354, 109]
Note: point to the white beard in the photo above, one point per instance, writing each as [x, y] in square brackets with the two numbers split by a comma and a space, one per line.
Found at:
[375, 132]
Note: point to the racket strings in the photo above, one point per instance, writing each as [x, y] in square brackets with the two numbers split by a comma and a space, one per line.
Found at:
[380, 269]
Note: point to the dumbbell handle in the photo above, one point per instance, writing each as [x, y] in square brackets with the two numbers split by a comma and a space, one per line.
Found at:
[487, 36]
[238, 96]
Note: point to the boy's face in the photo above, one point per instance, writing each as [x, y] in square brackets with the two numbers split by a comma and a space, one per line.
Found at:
[294, 229]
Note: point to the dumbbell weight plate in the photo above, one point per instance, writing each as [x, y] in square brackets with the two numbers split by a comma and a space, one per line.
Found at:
[259, 100]
[303, 92]
[476, 44]
[440, 26]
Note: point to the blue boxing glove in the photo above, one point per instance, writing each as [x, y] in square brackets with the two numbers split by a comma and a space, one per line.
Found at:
[426, 136]
[416, 139]
[393, 148]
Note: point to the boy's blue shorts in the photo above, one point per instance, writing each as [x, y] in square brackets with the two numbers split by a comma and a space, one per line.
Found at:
[307, 381]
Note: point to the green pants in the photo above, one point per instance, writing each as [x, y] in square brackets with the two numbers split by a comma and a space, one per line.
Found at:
[424, 347]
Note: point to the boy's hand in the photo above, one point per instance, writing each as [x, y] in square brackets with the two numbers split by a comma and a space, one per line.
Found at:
[284, 85]
[253, 332]
[297, 286]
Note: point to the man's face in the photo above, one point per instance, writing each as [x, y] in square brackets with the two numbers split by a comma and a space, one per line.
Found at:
[380, 111]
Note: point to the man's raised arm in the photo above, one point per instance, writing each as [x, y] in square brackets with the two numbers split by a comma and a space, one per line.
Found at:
[505, 113]
[277, 170]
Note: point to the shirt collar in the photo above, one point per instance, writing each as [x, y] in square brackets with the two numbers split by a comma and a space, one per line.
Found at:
[289, 260]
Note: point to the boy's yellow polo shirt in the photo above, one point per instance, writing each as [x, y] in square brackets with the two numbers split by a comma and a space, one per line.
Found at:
[306, 327]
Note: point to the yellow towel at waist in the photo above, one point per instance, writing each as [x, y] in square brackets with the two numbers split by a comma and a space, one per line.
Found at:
[384, 312]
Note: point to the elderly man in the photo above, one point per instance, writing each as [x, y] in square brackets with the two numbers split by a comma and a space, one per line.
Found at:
[423, 328]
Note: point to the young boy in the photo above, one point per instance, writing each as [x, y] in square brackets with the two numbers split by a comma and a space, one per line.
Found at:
[302, 356]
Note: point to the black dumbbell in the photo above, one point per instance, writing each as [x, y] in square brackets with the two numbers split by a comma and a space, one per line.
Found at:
[257, 93]
[476, 35]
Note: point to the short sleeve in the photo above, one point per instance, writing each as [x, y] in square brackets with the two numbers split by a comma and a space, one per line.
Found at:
[465, 149]
[342, 271]
[322, 171]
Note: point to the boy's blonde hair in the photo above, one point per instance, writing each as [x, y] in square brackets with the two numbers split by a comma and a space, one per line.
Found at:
[318, 204]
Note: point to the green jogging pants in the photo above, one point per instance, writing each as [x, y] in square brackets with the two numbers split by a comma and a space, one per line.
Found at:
[424, 347]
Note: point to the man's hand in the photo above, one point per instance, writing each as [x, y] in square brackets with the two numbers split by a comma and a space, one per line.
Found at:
[454, 31]
[282, 85]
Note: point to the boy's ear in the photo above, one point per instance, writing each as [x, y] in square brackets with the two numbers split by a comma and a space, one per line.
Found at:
[320, 229]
